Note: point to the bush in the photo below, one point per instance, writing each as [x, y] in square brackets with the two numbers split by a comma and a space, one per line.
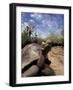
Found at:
[55, 40]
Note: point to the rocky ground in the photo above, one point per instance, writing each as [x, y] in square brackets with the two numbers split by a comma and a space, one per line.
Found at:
[56, 56]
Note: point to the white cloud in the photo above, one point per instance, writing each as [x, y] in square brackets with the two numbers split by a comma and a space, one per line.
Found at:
[25, 23]
[31, 21]
[41, 33]
[36, 16]
[59, 31]
[53, 25]
[46, 23]
[23, 26]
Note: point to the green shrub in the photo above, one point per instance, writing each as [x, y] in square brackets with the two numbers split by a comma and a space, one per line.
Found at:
[55, 40]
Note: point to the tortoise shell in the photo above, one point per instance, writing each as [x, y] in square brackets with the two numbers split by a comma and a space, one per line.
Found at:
[30, 53]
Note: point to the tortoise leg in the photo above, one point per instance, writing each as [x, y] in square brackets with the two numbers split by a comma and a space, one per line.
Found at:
[47, 71]
[32, 71]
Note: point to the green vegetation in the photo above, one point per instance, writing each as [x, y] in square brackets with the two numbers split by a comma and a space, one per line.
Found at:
[27, 37]
[56, 40]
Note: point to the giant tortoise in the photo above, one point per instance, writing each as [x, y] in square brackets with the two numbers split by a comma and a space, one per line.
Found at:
[33, 61]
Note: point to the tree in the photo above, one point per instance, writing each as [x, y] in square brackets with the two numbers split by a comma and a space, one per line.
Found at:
[26, 35]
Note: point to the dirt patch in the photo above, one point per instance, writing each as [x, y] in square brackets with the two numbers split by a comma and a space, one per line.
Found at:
[56, 56]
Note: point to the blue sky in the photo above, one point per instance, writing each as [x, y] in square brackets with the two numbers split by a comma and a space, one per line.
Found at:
[44, 24]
